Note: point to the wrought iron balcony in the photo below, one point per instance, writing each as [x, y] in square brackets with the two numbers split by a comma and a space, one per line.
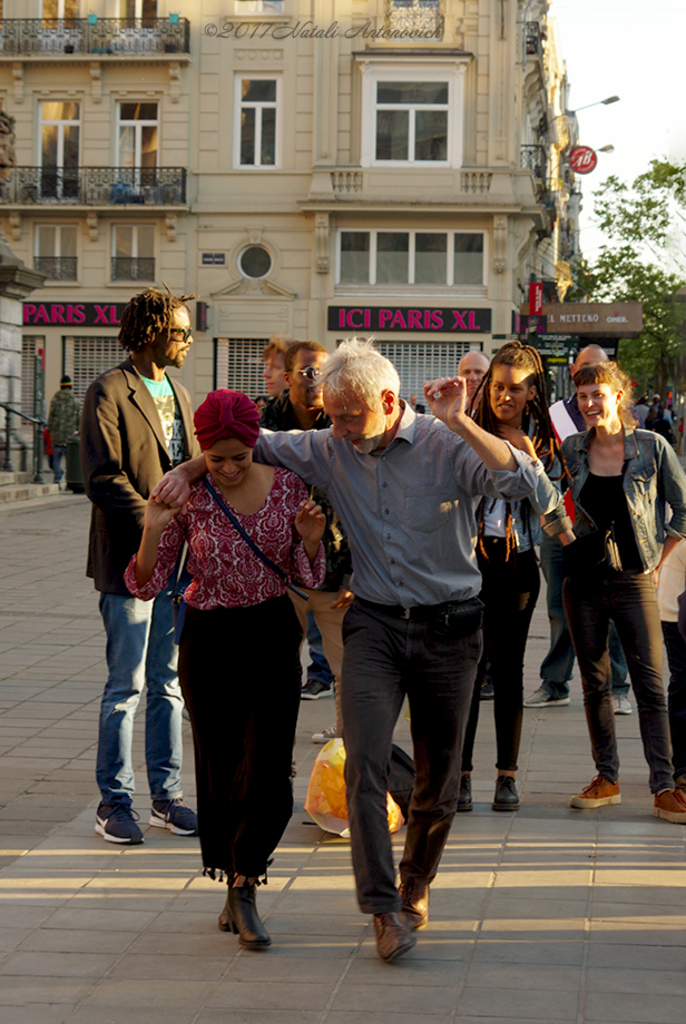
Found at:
[534, 159]
[133, 268]
[56, 268]
[20, 37]
[534, 43]
[94, 186]
[415, 19]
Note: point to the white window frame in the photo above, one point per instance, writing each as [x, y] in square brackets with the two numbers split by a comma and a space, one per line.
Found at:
[268, 8]
[412, 232]
[138, 125]
[58, 237]
[448, 69]
[61, 125]
[263, 76]
[134, 246]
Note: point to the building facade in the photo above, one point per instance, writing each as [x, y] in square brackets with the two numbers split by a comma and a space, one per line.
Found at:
[318, 169]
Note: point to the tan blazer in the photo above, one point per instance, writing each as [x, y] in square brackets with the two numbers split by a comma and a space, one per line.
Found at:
[123, 456]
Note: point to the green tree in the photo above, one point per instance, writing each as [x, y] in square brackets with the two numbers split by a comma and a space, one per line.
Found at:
[644, 262]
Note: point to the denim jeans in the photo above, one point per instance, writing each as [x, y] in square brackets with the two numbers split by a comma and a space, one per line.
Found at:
[140, 651]
[385, 658]
[318, 670]
[630, 598]
[59, 452]
[676, 694]
[556, 668]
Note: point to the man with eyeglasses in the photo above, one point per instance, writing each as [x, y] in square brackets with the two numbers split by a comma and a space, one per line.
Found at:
[301, 407]
[137, 424]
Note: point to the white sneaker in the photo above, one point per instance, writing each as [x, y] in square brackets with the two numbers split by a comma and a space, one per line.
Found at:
[325, 735]
[540, 698]
[621, 705]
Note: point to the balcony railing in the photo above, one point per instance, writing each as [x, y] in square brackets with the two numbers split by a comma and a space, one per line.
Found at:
[133, 268]
[56, 268]
[118, 36]
[415, 19]
[94, 186]
[534, 43]
[534, 159]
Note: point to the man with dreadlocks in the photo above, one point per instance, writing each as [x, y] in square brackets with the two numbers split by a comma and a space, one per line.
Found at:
[137, 424]
[511, 403]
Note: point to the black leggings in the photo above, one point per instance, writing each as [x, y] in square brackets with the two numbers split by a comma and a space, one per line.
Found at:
[240, 674]
[509, 592]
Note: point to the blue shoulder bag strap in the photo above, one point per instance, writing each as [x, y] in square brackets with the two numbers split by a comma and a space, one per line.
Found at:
[250, 542]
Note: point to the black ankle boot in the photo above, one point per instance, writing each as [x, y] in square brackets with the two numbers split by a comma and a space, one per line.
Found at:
[240, 917]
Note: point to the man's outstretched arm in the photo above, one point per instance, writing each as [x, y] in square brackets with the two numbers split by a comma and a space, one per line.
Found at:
[447, 399]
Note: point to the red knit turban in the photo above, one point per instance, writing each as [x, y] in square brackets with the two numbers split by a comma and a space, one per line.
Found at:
[226, 414]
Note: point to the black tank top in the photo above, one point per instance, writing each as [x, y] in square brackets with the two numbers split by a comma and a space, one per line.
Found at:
[604, 499]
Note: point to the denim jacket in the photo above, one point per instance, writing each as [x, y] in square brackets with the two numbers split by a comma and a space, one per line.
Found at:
[546, 500]
[653, 479]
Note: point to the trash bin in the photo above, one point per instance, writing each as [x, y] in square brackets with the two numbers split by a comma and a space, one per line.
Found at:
[74, 478]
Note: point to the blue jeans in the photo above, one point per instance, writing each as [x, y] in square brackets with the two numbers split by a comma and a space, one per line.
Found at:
[140, 651]
[557, 666]
[59, 452]
[318, 670]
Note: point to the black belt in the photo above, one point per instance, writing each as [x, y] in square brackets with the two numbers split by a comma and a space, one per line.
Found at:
[426, 612]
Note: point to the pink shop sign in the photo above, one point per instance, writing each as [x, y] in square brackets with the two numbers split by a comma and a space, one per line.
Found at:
[434, 319]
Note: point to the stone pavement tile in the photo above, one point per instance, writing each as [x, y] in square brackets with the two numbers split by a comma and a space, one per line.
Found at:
[613, 956]
[187, 922]
[269, 995]
[512, 878]
[528, 977]
[433, 946]
[637, 933]
[15, 914]
[393, 992]
[100, 920]
[413, 971]
[669, 982]
[88, 1013]
[259, 1016]
[137, 966]
[57, 964]
[328, 904]
[674, 877]
[610, 1007]
[653, 895]
[35, 1013]
[665, 914]
[506, 907]
[67, 940]
[388, 1016]
[505, 1003]
[21, 990]
[147, 995]
[10, 938]
[542, 953]
[344, 925]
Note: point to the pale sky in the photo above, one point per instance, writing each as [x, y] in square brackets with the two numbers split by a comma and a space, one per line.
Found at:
[634, 51]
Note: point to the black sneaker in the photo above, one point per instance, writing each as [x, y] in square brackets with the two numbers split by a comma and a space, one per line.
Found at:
[174, 815]
[116, 823]
[313, 690]
[486, 692]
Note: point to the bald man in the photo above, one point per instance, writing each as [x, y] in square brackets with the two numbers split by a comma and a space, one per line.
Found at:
[556, 668]
[473, 367]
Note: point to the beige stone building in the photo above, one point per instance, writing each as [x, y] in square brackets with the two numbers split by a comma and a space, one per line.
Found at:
[316, 168]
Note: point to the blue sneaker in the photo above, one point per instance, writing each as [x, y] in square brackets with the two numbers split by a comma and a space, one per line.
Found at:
[174, 815]
[116, 823]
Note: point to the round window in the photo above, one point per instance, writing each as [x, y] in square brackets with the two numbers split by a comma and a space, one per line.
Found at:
[254, 261]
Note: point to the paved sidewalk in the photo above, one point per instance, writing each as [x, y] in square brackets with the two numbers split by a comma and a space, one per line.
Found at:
[546, 915]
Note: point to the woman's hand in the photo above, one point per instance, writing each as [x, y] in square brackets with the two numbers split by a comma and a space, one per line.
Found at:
[517, 438]
[310, 522]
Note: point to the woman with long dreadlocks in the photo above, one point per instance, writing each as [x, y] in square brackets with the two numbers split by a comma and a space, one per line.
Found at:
[511, 403]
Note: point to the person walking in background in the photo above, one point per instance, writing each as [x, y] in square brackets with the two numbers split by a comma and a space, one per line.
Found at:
[557, 666]
[622, 479]
[137, 424]
[64, 419]
[243, 737]
[513, 406]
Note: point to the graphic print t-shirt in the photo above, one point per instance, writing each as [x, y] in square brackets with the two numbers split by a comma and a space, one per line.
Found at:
[170, 417]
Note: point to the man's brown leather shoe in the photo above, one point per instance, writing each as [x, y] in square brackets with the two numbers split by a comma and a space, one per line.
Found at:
[393, 936]
[415, 906]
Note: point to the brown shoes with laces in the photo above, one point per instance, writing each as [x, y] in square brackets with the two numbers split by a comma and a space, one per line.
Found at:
[415, 906]
[671, 806]
[393, 936]
[598, 793]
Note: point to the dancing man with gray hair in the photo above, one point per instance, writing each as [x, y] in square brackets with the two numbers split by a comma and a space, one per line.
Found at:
[404, 486]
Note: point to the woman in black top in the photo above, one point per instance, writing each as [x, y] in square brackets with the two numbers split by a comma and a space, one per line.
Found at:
[621, 480]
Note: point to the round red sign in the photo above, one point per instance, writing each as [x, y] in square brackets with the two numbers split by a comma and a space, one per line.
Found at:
[583, 159]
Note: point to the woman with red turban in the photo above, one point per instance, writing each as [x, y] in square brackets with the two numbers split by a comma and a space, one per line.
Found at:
[237, 605]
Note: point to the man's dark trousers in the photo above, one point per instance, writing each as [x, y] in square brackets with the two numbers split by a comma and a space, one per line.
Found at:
[384, 658]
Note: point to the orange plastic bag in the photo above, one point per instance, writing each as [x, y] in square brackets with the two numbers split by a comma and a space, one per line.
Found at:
[326, 802]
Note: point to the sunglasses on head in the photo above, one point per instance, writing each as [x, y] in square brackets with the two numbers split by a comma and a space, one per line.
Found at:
[311, 372]
[186, 331]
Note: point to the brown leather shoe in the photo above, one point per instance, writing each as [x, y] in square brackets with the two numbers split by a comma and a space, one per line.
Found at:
[415, 906]
[598, 793]
[393, 936]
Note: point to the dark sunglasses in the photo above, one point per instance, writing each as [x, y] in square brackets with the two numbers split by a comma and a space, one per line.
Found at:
[311, 372]
[186, 331]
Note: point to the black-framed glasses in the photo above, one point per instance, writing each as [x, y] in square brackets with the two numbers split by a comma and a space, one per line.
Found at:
[311, 372]
[186, 331]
